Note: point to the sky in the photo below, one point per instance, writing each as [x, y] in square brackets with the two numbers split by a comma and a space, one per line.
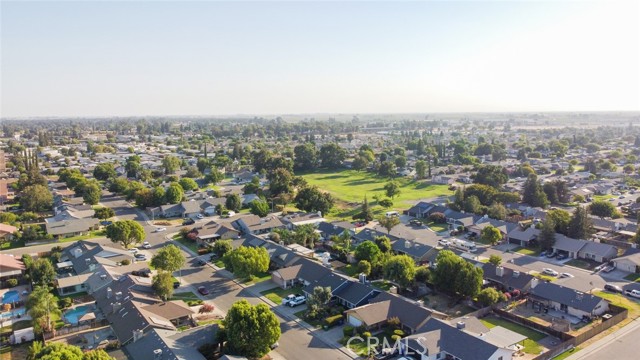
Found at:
[143, 58]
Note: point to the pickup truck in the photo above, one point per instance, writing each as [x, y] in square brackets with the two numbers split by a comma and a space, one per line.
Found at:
[633, 293]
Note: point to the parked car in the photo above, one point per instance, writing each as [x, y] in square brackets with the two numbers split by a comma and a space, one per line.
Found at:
[551, 254]
[550, 272]
[176, 284]
[201, 262]
[133, 250]
[415, 222]
[566, 275]
[188, 222]
[203, 290]
[288, 298]
[106, 223]
[613, 288]
[161, 229]
[146, 245]
[444, 242]
[142, 272]
[633, 293]
[562, 256]
[608, 268]
[199, 216]
[141, 257]
[298, 300]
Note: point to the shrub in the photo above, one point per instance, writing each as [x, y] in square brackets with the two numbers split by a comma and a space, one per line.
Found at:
[361, 329]
[395, 338]
[333, 320]
[206, 308]
[347, 331]
[12, 282]
[366, 334]
[125, 262]
[65, 302]
[113, 345]
[194, 302]
[398, 332]
[438, 218]
[203, 251]
[394, 322]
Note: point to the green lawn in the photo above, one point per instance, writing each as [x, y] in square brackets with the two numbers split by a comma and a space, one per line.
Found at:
[191, 245]
[219, 263]
[582, 264]
[603, 197]
[633, 277]
[277, 294]
[527, 251]
[622, 301]
[530, 345]
[257, 278]
[437, 227]
[567, 353]
[12, 244]
[74, 296]
[315, 323]
[91, 235]
[382, 285]
[185, 296]
[350, 270]
[544, 277]
[207, 322]
[351, 186]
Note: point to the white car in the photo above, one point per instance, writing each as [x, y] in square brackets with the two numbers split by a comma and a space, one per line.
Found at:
[146, 245]
[550, 272]
[160, 229]
[633, 293]
[566, 275]
[444, 242]
[199, 216]
[133, 250]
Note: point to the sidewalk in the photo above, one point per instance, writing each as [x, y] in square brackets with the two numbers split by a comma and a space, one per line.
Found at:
[607, 340]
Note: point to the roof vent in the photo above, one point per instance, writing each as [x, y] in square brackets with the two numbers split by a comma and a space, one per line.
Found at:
[460, 325]
[516, 273]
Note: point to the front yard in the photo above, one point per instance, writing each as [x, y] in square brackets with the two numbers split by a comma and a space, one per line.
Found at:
[582, 264]
[277, 294]
[527, 251]
[531, 345]
[90, 235]
[633, 277]
[191, 245]
[622, 301]
[350, 270]
[447, 305]
[264, 276]
[437, 227]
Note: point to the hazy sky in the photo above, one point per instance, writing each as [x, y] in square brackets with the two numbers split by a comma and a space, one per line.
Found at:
[208, 58]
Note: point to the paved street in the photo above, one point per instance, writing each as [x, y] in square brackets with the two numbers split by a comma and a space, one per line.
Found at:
[621, 345]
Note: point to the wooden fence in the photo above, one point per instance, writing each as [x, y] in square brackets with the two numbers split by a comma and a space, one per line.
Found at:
[74, 329]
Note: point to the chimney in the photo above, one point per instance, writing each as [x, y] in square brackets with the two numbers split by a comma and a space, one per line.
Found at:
[157, 354]
[407, 244]
[363, 278]
[116, 306]
[460, 325]
[499, 271]
[516, 274]
[109, 293]
[137, 335]
[119, 295]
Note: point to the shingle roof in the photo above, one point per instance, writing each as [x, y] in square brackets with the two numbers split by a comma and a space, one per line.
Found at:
[570, 297]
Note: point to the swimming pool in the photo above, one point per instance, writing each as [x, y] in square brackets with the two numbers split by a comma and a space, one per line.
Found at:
[13, 313]
[72, 316]
[10, 297]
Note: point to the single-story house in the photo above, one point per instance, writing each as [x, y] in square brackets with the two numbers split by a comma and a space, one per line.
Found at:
[630, 262]
[10, 267]
[72, 227]
[567, 300]
[253, 224]
[598, 251]
[523, 237]
[7, 232]
[72, 284]
[508, 279]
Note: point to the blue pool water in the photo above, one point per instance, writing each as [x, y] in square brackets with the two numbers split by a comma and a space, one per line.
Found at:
[10, 297]
[72, 316]
[13, 313]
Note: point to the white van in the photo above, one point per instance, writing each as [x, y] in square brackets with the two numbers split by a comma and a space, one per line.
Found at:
[392, 214]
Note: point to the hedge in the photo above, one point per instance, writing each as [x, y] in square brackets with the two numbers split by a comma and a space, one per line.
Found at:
[332, 320]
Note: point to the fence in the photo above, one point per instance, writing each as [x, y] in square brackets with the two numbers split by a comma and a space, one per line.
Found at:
[531, 324]
[74, 329]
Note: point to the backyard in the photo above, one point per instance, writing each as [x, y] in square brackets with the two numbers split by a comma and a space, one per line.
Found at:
[445, 304]
[277, 294]
[350, 186]
[582, 264]
[531, 345]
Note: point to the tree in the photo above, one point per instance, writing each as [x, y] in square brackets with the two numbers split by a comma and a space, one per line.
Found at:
[168, 258]
[170, 164]
[423, 274]
[306, 157]
[214, 177]
[91, 193]
[383, 243]
[253, 187]
[233, 202]
[8, 218]
[490, 234]
[332, 155]
[163, 284]
[468, 280]
[369, 251]
[125, 232]
[312, 199]
[364, 267]
[280, 182]
[580, 226]
[318, 300]
[490, 296]
[251, 329]
[104, 213]
[561, 218]
[392, 189]
[221, 247]
[174, 193]
[104, 171]
[193, 172]
[119, 185]
[497, 211]
[259, 208]
[472, 204]
[188, 184]
[533, 194]
[492, 175]
[42, 272]
[389, 222]
[366, 214]
[547, 236]
[247, 261]
[385, 203]
[401, 269]
[495, 260]
[42, 306]
[603, 209]
[36, 198]
[421, 169]
[454, 275]
[63, 351]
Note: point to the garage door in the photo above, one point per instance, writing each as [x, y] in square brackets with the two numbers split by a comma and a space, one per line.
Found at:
[354, 321]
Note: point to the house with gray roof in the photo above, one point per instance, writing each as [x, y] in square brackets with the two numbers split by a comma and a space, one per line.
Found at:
[172, 345]
[629, 262]
[567, 300]
[508, 279]
[598, 251]
[255, 225]
[523, 237]
[72, 227]
[419, 252]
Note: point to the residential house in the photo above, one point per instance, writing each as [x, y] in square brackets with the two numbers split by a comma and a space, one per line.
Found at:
[253, 224]
[212, 231]
[385, 306]
[598, 251]
[10, 267]
[72, 284]
[174, 345]
[420, 210]
[507, 279]
[72, 227]
[439, 340]
[567, 300]
[443, 179]
[524, 237]
[419, 252]
[7, 232]
[327, 230]
[301, 271]
[629, 262]
[294, 220]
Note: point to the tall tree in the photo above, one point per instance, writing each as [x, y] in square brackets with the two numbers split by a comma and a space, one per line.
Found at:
[247, 261]
[36, 198]
[174, 193]
[188, 184]
[162, 283]
[392, 189]
[91, 193]
[251, 330]
[368, 251]
[365, 214]
[171, 164]
[280, 182]
[42, 306]
[401, 269]
[332, 155]
[126, 232]
[306, 157]
[311, 199]
[603, 209]
[42, 272]
[421, 169]
[104, 213]
[233, 202]
[389, 222]
[491, 235]
[580, 226]
[168, 258]
[547, 236]
[533, 194]
[104, 171]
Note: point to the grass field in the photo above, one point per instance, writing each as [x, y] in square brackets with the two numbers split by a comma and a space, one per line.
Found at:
[350, 186]
[530, 345]
[567, 353]
[186, 296]
[91, 235]
[277, 294]
[527, 251]
[622, 301]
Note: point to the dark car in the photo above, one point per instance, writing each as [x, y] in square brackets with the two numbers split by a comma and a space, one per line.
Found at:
[142, 272]
[415, 222]
[203, 290]
[176, 284]
[188, 222]
[613, 288]
[201, 262]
